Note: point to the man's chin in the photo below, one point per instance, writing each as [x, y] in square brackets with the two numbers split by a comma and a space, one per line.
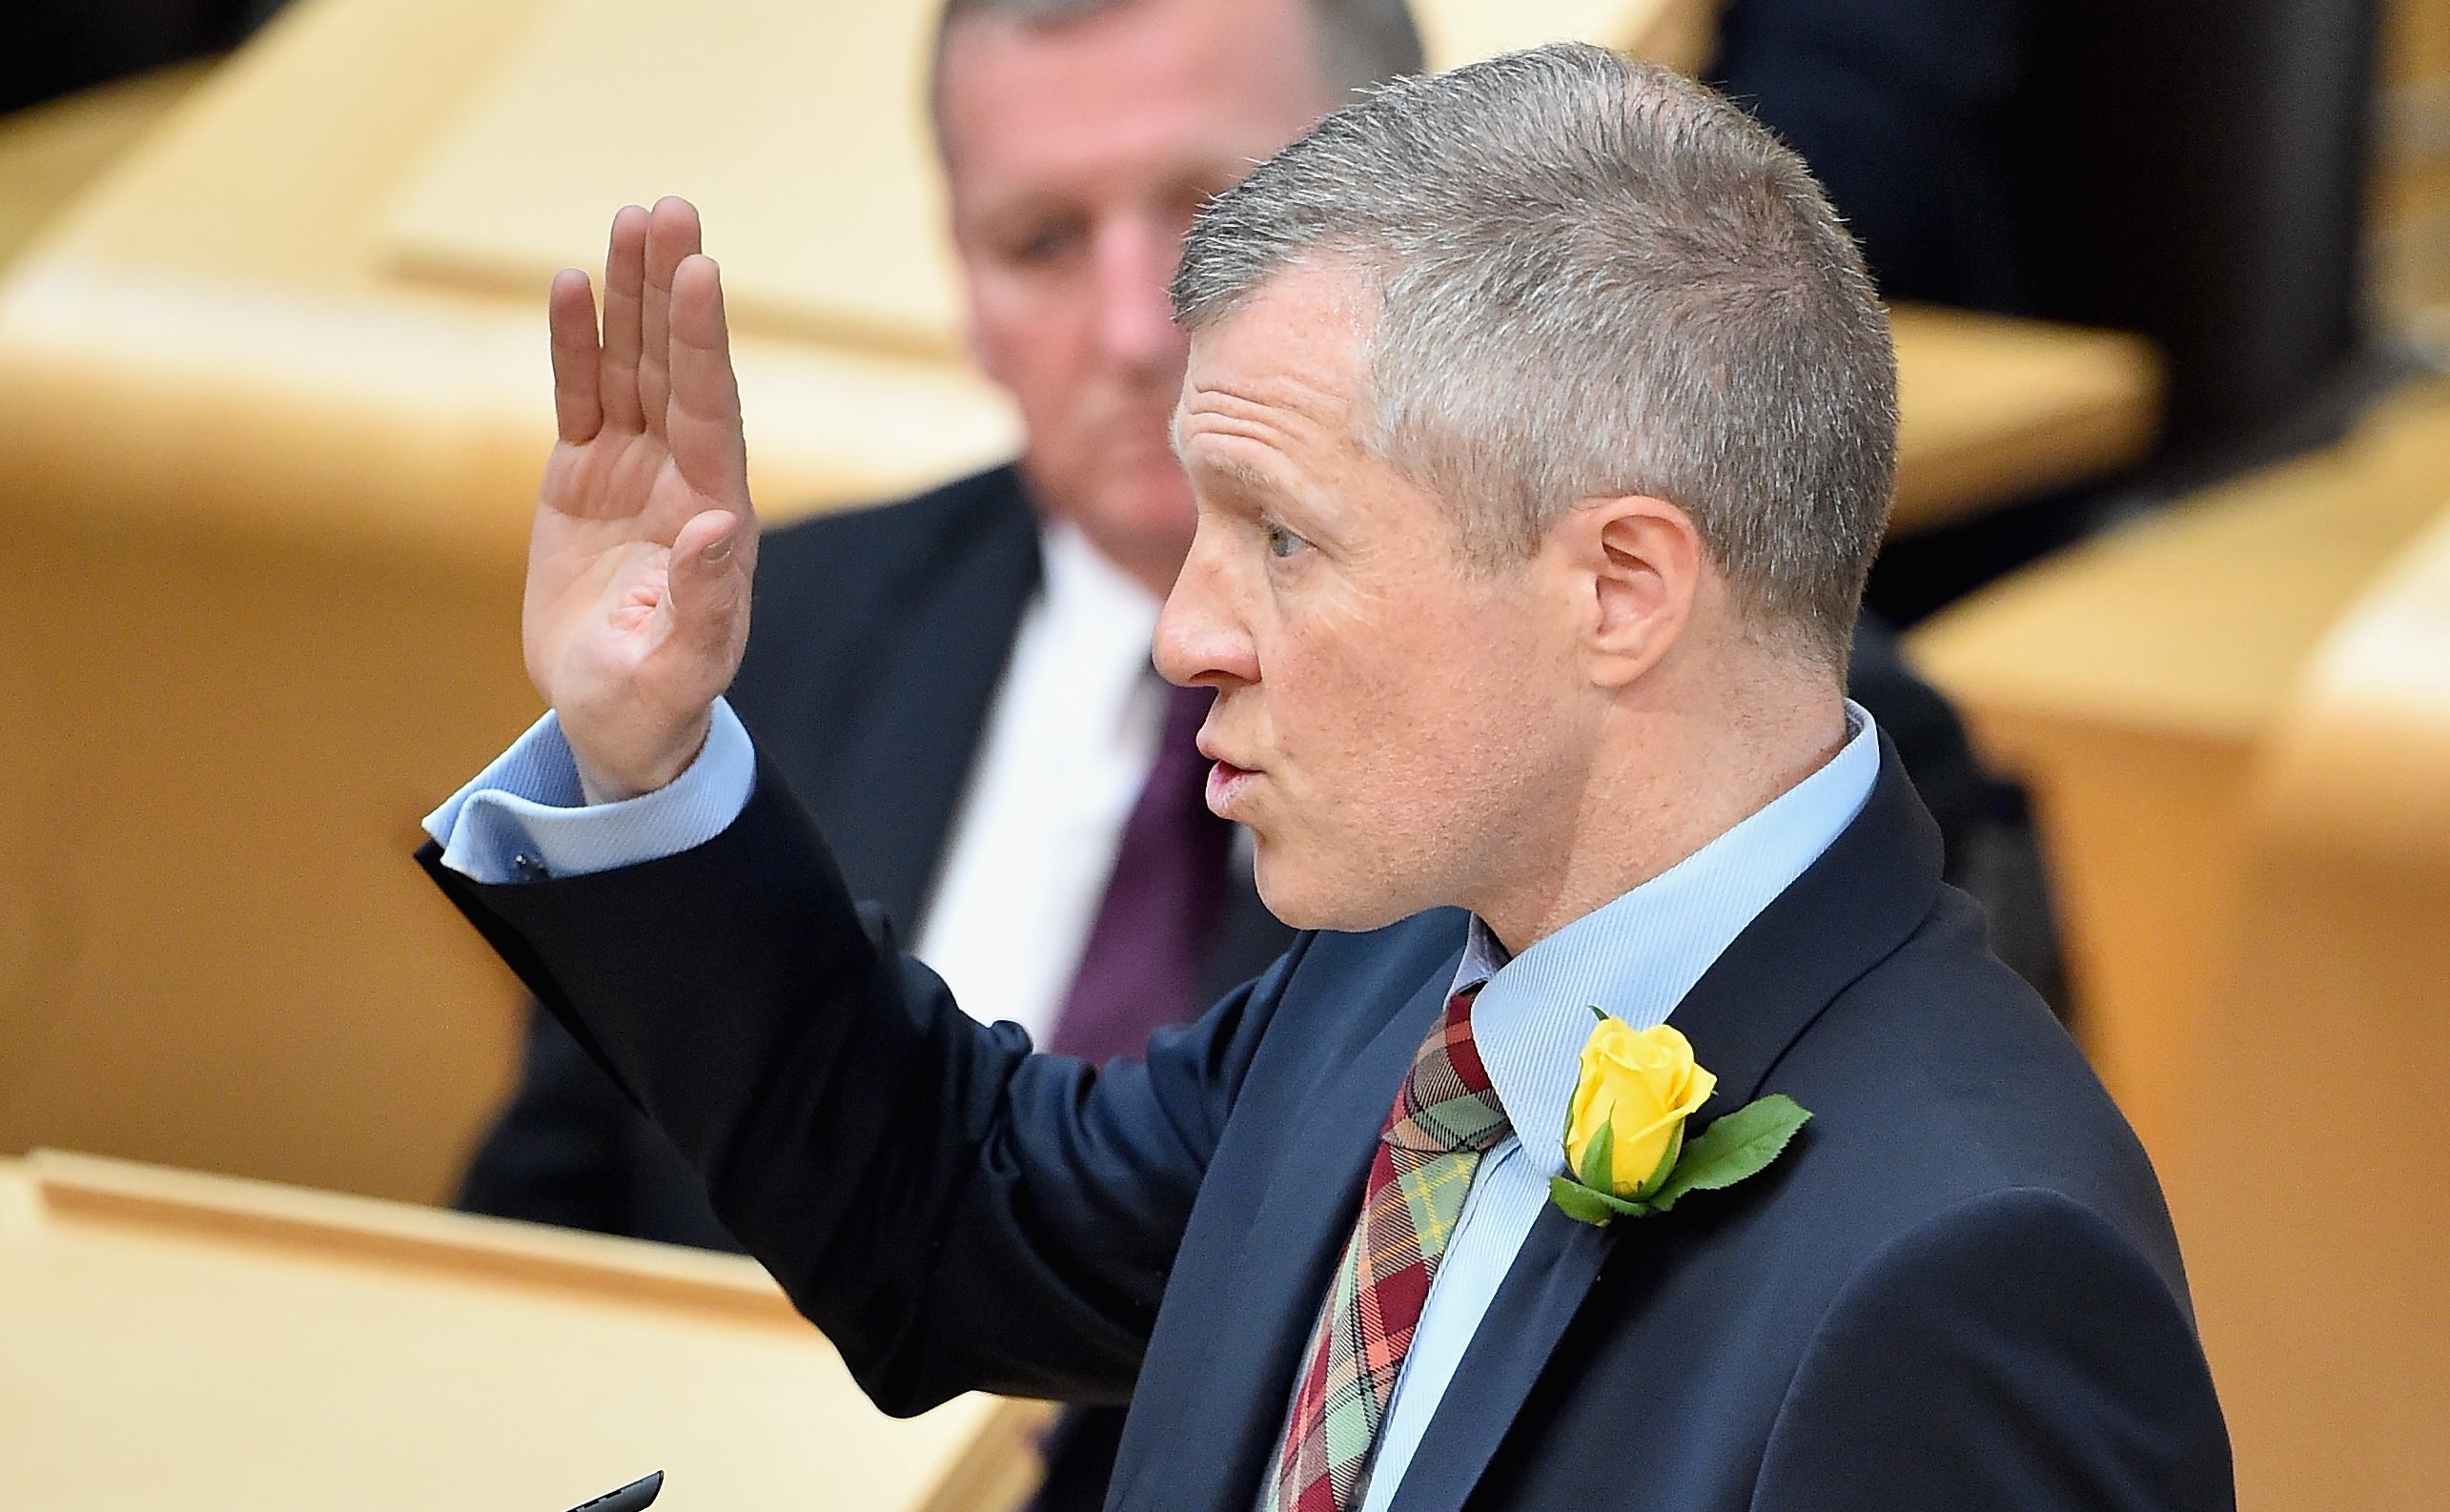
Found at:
[1304, 899]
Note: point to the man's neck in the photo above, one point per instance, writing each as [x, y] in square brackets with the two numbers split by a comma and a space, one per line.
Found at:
[1691, 780]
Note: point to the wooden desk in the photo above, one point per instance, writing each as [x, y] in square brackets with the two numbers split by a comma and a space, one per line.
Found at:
[268, 456]
[2315, 1227]
[179, 1340]
[1992, 410]
[2131, 683]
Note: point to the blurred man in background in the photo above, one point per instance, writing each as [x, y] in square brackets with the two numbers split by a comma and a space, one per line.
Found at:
[959, 685]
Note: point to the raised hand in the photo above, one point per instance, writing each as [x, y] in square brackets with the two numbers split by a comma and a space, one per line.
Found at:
[639, 565]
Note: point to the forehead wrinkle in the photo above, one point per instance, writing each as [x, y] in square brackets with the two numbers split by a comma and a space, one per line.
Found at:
[1298, 411]
[1220, 456]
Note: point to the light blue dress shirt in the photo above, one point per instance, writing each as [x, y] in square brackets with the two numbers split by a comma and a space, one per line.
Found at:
[1635, 959]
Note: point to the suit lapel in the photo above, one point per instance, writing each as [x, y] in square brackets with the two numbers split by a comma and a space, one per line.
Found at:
[915, 734]
[1289, 1248]
[1848, 911]
[1543, 1291]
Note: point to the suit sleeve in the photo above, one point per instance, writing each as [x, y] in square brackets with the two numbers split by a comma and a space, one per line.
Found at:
[551, 1156]
[2014, 1353]
[569, 1148]
[952, 1210]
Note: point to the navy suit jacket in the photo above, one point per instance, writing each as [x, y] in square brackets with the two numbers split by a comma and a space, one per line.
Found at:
[1959, 1289]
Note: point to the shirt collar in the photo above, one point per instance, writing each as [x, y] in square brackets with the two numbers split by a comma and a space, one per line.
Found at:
[1080, 581]
[1637, 957]
[1092, 625]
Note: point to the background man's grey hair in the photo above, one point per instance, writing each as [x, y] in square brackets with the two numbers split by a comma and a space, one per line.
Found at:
[1594, 279]
[1360, 42]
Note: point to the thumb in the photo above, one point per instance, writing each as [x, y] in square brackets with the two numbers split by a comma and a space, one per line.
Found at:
[708, 584]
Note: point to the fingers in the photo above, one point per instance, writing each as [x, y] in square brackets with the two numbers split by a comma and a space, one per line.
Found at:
[625, 298]
[702, 428]
[707, 585]
[570, 313]
[671, 234]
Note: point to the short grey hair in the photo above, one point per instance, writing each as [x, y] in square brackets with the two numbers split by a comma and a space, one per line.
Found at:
[1360, 42]
[1594, 279]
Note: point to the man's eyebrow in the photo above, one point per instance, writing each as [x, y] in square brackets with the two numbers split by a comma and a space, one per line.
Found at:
[1237, 472]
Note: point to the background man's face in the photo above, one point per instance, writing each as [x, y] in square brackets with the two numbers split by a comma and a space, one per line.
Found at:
[1074, 159]
[1396, 731]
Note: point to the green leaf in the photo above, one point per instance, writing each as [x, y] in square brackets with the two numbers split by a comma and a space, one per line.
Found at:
[1599, 1159]
[1579, 1203]
[1738, 1145]
[1587, 1206]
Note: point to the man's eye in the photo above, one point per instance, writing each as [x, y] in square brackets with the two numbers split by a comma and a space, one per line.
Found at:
[1041, 245]
[1282, 542]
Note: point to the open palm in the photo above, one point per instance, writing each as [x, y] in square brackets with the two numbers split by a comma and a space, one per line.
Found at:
[639, 561]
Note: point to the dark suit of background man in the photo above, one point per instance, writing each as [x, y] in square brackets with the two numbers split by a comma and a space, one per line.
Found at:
[883, 673]
[1502, 611]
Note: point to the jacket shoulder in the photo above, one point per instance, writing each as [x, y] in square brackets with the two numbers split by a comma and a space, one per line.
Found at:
[859, 555]
[1939, 1078]
[2014, 1349]
[840, 596]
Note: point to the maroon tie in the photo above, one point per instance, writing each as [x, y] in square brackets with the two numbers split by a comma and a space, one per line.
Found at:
[1140, 971]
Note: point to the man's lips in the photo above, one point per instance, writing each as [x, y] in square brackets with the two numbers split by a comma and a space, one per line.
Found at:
[1227, 784]
[1227, 779]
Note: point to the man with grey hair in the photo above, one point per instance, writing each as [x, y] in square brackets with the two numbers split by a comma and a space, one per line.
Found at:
[1540, 423]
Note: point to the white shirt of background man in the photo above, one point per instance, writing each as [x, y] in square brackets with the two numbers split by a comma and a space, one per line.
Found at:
[1060, 764]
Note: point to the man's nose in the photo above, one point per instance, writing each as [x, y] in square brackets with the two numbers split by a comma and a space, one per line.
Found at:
[1134, 264]
[1201, 638]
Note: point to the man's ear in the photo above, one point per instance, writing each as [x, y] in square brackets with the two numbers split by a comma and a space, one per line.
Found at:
[1637, 563]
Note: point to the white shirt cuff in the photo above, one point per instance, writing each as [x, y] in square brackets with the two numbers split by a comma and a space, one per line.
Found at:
[523, 819]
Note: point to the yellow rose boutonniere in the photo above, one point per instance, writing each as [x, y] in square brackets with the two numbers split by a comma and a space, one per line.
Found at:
[1626, 1152]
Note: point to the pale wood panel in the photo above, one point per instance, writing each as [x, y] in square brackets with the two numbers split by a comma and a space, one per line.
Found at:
[227, 294]
[2317, 1146]
[218, 748]
[179, 1340]
[800, 130]
[50, 152]
[2131, 683]
[1455, 32]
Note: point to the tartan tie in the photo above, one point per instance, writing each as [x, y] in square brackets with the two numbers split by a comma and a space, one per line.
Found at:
[1445, 1118]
